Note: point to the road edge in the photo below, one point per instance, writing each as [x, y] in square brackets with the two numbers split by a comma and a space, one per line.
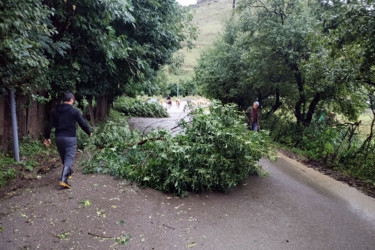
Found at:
[358, 201]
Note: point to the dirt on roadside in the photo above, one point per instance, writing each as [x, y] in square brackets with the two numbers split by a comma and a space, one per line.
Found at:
[361, 185]
[26, 178]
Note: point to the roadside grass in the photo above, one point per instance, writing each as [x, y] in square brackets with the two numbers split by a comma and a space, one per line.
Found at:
[35, 159]
[191, 57]
[180, 76]
[329, 147]
[8, 169]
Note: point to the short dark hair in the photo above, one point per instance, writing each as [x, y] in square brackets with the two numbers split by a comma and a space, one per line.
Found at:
[67, 96]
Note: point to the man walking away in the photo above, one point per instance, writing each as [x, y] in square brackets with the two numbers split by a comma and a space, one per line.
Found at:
[252, 115]
[64, 118]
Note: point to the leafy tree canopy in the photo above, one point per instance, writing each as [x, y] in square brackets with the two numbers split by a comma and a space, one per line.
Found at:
[25, 38]
[94, 48]
[298, 56]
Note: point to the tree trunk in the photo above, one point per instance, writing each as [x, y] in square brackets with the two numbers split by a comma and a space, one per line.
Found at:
[300, 104]
[234, 4]
[2, 123]
[301, 101]
[311, 110]
[277, 103]
[5, 125]
[101, 110]
[91, 111]
[367, 142]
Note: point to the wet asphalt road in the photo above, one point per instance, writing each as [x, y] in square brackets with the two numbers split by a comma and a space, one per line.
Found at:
[145, 125]
[293, 208]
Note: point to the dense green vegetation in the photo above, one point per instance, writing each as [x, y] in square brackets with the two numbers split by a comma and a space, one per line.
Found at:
[7, 169]
[100, 49]
[137, 108]
[34, 158]
[311, 65]
[25, 37]
[216, 152]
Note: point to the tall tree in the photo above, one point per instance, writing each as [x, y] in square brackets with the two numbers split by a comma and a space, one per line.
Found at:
[25, 36]
[25, 39]
[116, 46]
[277, 52]
[90, 68]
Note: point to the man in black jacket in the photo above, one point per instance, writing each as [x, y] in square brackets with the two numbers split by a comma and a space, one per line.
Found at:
[64, 118]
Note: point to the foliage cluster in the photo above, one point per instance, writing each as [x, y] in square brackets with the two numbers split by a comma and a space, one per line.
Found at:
[136, 108]
[288, 55]
[7, 169]
[99, 49]
[298, 58]
[33, 153]
[163, 86]
[215, 152]
[336, 145]
[25, 38]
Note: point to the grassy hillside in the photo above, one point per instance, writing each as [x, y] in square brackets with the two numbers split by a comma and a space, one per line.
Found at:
[209, 16]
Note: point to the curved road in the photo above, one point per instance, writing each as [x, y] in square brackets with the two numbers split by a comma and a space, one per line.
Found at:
[293, 208]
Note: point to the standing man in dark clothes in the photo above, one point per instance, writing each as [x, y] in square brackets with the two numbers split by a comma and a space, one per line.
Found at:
[252, 115]
[64, 118]
[169, 101]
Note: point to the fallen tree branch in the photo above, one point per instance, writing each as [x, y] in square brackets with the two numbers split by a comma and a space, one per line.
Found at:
[146, 140]
[169, 227]
[99, 236]
[140, 142]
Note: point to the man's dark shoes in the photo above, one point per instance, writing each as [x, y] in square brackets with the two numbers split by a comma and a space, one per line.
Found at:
[65, 184]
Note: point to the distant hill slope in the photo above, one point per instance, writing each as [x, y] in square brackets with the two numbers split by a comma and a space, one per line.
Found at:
[209, 16]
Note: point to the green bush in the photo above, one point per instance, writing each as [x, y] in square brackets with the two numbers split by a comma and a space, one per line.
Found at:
[282, 128]
[33, 154]
[331, 145]
[30, 147]
[31, 151]
[215, 152]
[7, 169]
[321, 142]
[136, 108]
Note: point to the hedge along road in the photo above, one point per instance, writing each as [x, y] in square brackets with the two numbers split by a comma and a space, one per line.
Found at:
[293, 208]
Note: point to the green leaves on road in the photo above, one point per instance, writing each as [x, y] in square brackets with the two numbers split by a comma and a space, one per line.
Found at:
[86, 203]
[123, 239]
[215, 152]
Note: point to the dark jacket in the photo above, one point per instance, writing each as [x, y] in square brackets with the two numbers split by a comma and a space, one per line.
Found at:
[249, 116]
[64, 118]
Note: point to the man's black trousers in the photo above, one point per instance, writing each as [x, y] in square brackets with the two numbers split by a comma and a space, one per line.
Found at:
[67, 147]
